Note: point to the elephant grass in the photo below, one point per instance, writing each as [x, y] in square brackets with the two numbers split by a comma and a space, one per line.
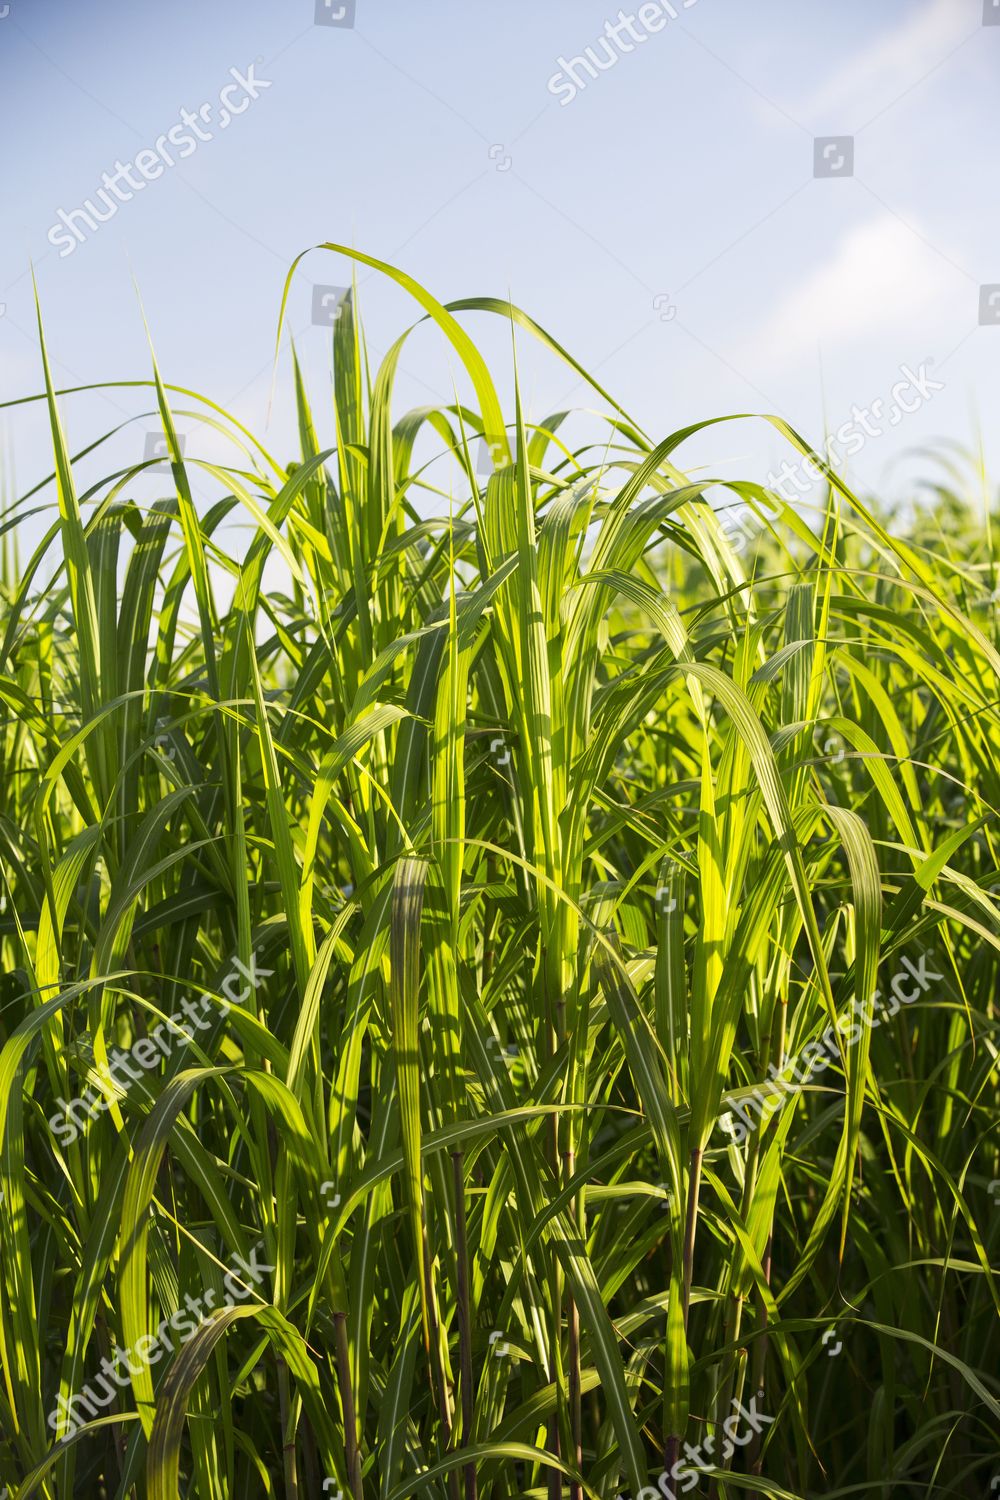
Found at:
[546, 830]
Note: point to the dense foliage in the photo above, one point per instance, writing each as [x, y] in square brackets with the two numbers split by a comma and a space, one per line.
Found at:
[511, 1008]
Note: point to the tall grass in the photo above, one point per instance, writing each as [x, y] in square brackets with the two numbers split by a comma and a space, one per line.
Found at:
[542, 832]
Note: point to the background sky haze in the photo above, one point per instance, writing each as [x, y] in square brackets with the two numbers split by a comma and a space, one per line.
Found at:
[666, 224]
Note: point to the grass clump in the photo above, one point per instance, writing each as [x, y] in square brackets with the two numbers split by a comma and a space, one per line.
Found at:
[510, 1008]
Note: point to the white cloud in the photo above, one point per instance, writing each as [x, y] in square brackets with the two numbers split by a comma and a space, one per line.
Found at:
[880, 282]
[892, 64]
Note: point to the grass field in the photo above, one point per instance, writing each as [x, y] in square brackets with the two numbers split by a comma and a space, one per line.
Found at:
[512, 1009]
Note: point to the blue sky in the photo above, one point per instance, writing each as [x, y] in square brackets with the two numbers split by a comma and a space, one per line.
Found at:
[666, 224]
